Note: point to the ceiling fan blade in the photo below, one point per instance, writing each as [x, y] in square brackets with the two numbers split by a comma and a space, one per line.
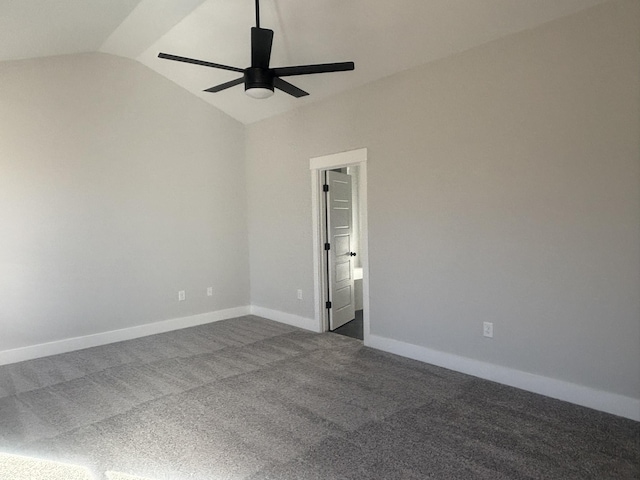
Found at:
[177, 58]
[224, 86]
[261, 42]
[286, 87]
[309, 69]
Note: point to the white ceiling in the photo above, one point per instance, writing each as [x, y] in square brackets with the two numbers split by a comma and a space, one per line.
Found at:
[382, 37]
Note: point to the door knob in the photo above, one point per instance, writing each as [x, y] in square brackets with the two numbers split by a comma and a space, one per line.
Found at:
[353, 254]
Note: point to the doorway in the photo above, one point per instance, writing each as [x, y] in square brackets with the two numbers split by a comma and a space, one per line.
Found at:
[342, 244]
[353, 281]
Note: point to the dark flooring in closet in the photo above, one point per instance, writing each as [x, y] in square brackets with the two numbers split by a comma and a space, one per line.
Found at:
[354, 328]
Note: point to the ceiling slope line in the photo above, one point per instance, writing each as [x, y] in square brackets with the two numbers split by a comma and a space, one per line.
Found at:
[146, 24]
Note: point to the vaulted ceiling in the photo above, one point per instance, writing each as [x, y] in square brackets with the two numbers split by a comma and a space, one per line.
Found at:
[382, 37]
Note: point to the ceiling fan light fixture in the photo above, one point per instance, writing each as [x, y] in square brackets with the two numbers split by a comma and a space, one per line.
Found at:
[258, 82]
[259, 93]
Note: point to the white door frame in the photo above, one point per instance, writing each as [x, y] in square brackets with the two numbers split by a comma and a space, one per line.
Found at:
[318, 165]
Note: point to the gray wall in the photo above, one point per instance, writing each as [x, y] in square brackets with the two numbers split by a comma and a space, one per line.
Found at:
[117, 189]
[503, 186]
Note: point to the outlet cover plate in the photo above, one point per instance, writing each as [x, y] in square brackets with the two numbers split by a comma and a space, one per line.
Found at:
[487, 329]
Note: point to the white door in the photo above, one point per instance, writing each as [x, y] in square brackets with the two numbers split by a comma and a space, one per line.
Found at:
[340, 257]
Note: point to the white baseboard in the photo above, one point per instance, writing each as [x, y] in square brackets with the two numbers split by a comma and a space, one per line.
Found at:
[570, 392]
[78, 343]
[288, 318]
[588, 397]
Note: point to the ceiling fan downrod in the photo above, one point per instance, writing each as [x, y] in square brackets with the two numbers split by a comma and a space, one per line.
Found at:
[257, 13]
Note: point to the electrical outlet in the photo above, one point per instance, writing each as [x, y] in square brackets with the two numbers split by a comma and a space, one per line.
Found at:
[487, 329]
[299, 294]
[209, 291]
[181, 296]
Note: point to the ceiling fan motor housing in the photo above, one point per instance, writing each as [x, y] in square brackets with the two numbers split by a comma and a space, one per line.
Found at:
[255, 77]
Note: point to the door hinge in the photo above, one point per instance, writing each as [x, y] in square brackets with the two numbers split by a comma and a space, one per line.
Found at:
[327, 246]
[328, 304]
[325, 188]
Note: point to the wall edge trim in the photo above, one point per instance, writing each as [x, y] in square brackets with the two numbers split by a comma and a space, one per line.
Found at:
[66, 345]
[286, 318]
[608, 402]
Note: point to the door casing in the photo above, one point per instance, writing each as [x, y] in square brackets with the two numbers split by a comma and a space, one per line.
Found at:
[317, 166]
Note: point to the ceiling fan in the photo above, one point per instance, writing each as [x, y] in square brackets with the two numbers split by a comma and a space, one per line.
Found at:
[259, 79]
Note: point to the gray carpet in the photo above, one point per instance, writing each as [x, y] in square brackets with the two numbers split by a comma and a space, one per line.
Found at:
[253, 399]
